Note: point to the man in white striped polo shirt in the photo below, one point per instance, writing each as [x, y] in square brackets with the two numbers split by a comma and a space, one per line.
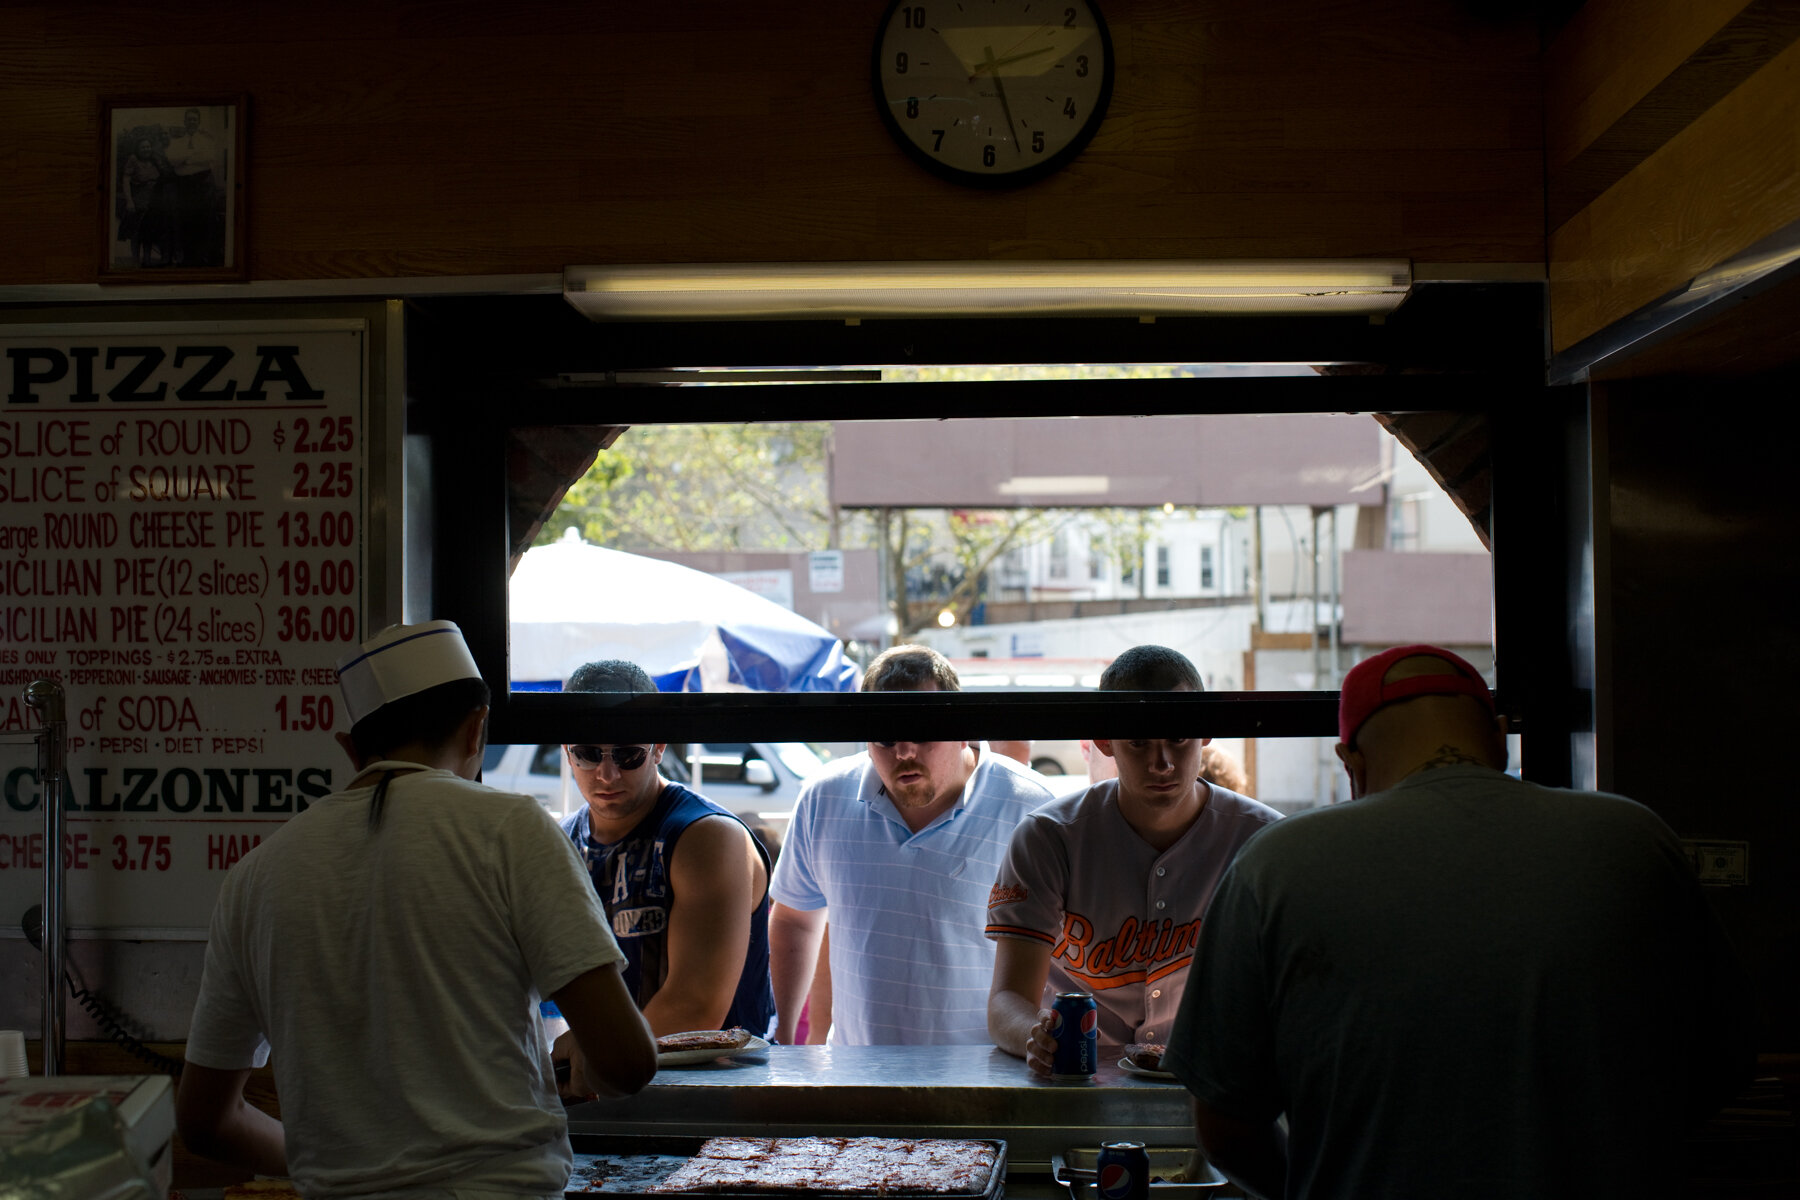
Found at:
[897, 847]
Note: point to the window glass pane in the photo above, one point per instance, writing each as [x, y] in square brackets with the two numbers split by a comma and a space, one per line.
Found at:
[799, 757]
[1274, 552]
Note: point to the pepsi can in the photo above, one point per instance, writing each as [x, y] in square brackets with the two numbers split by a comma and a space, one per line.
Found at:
[1074, 1023]
[1123, 1171]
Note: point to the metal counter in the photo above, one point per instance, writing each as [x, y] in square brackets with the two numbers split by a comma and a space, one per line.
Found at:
[922, 1091]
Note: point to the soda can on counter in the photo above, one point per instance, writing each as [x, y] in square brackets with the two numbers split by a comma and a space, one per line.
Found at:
[1074, 1023]
[1123, 1171]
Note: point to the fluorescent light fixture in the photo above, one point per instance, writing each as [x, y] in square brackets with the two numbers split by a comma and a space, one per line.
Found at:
[1075, 288]
[716, 376]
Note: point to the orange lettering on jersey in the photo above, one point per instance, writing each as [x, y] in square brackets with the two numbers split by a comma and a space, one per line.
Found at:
[1010, 894]
[1161, 946]
[1100, 959]
[1124, 942]
[1072, 945]
[1168, 969]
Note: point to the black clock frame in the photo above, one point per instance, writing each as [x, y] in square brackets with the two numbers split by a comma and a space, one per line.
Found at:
[1002, 180]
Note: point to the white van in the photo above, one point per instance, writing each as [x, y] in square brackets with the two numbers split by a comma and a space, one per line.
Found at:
[1050, 758]
[759, 781]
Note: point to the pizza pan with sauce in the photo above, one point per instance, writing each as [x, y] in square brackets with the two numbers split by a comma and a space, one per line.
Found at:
[625, 1165]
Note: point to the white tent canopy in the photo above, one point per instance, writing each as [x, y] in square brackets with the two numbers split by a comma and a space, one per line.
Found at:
[572, 603]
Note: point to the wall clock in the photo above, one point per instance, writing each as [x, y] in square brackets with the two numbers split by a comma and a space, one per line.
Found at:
[993, 93]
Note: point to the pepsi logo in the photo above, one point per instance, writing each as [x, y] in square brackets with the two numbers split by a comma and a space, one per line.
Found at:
[1115, 1181]
[1056, 1023]
[1090, 1020]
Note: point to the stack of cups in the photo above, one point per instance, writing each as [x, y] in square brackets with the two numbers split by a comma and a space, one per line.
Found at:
[12, 1055]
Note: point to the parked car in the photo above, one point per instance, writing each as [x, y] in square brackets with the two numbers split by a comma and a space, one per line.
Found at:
[1048, 758]
[1057, 758]
[759, 781]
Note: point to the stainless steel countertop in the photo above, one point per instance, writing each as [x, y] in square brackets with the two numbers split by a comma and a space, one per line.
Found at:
[925, 1091]
[894, 1066]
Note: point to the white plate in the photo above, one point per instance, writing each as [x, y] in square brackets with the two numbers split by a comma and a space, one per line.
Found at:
[687, 1058]
[1131, 1068]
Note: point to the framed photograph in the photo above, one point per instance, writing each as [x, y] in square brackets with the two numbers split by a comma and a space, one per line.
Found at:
[174, 189]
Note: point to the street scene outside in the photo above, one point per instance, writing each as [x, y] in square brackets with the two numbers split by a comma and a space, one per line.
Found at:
[1274, 552]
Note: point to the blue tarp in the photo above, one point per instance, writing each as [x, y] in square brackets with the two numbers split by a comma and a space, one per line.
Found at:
[572, 603]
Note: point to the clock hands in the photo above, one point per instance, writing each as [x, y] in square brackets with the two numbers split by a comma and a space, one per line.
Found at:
[1000, 88]
[991, 62]
[956, 60]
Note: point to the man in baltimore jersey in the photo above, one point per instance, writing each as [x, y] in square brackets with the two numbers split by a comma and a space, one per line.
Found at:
[684, 882]
[1102, 891]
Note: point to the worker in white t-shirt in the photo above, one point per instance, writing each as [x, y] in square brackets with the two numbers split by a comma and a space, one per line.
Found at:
[391, 945]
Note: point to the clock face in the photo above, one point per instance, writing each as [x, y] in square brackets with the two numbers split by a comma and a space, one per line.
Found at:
[993, 92]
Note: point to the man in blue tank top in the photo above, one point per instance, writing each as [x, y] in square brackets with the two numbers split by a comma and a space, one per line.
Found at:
[694, 925]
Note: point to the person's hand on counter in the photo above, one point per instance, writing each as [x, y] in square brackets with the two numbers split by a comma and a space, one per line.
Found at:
[579, 1084]
[565, 1055]
[1017, 1022]
[1040, 1050]
[215, 1120]
[716, 882]
[818, 997]
[611, 1049]
[573, 1082]
[795, 935]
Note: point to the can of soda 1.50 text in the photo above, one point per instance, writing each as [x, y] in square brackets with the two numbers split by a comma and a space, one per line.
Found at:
[1074, 1023]
[1123, 1171]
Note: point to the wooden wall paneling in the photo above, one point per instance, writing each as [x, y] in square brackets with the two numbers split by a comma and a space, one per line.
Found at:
[1610, 55]
[1759, 336]
[1733, 52]
[458, 138]
[1698, 511]
[1726, 181]
[1460, 173]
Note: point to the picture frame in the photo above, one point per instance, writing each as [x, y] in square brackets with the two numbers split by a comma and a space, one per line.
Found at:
[172, 188]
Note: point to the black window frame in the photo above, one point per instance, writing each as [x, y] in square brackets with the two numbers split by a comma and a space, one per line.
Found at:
[1538, 435]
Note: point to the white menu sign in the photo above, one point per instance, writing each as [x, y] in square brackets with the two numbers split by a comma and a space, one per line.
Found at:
[182, 517]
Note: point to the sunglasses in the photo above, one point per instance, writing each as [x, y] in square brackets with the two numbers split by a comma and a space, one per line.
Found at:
[891, 745]
[626, 758]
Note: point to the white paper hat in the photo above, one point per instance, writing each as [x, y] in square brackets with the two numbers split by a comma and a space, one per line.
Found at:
[402, 660]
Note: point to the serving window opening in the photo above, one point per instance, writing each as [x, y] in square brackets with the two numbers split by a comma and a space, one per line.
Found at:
[753, 568]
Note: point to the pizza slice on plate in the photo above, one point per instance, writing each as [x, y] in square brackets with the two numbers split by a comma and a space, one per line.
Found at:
[721, 1041]
[1146, 1056]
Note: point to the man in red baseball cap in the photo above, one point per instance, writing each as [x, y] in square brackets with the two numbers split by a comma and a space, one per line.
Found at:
[1459, 984]
[1452, 723]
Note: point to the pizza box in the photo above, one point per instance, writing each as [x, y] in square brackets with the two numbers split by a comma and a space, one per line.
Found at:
[144, 1104]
